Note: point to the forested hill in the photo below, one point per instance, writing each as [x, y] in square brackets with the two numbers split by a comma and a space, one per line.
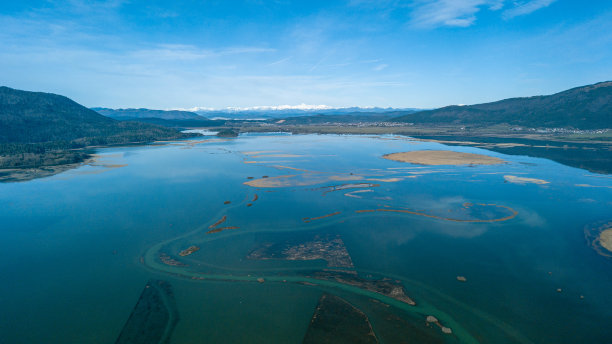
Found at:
[35, 117]
[587, 107]
[128, 114]
[43, 129]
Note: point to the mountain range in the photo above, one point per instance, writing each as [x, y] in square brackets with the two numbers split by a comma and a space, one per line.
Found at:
[131, 114]
[272, 112]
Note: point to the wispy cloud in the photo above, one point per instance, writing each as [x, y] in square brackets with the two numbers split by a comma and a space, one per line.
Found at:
[454, 13]
[380, 67]
[463, 13]
[190, 52]
[526, 7]
[277, 62]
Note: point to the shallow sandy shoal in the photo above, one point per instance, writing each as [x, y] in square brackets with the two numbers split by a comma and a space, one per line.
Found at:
[276, 156]
[605, 238]
[524, 180]
[441, 157]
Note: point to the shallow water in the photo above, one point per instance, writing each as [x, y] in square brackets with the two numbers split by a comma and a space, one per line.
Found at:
[83, 244]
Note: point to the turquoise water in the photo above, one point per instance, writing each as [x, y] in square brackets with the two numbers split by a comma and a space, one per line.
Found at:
[77, 248]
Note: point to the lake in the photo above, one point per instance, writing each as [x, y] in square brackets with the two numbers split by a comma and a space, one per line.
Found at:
[247, 234]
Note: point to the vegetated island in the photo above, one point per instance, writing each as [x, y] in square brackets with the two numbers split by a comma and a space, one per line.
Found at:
[337, 321]
[188, 251]
[328, 248]
[385, 286]
[308, 219]
[229, 132]
[220, 221]
[443, 157]
[41, 131]
[221, 229]
[154, 317]
[166, 259]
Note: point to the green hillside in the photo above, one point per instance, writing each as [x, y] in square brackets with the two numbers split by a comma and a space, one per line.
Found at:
[41, 129]
[587, 107]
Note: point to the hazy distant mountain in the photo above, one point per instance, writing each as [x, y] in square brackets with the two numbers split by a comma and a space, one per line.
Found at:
[284, 112]
[353, 117]
[131, 114]
[587, 107]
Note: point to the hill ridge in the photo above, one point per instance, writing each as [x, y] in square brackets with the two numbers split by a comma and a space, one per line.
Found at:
[583, 107]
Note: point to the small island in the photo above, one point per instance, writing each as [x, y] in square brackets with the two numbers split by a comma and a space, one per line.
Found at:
[218, 222]
[385, 286]
[308, 219]
[328, 248]
[228, 133]
[188, 251]
[221, 229]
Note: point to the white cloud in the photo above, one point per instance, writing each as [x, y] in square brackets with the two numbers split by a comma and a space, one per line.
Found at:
[457, 13]
[463, 13]
[526, 7]
[380, 67]
[190, 52]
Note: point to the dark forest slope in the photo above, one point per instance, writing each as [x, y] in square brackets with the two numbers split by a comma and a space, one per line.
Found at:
[587, 107]
[43, 129]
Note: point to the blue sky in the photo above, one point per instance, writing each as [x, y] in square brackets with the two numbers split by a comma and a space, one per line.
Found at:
[217, 54]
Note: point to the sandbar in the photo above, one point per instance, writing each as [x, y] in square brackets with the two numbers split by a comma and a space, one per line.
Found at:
[524, 180]
[605, 239]
[599, 236]
[260, 152]
[274, 182]
[385, 180]
[348, 186]
[442, 157]
[592, 186]
[276, 156]
[352, 193]
[291, 168]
